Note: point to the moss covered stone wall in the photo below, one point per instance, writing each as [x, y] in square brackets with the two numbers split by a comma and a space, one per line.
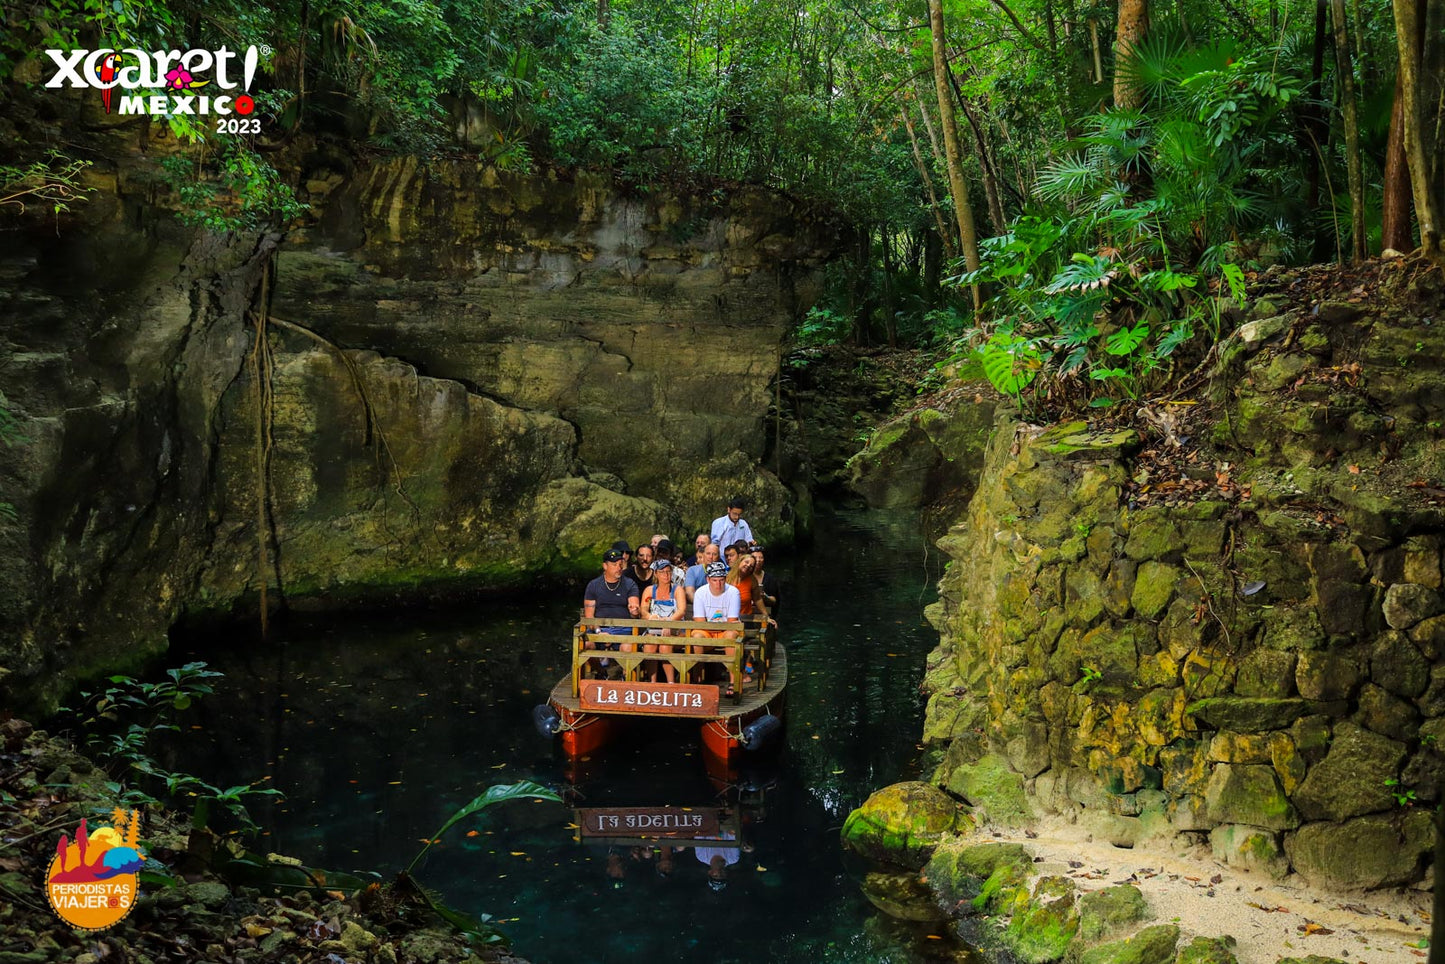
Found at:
[1260, 663]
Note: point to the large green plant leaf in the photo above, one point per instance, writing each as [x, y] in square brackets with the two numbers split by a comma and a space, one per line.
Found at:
[1010, 362]
[1126, 340]
[501, 793]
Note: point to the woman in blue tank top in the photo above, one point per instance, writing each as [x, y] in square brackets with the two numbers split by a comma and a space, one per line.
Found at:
[663, 599]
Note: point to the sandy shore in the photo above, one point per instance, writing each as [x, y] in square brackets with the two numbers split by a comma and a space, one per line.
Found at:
[1270, 919]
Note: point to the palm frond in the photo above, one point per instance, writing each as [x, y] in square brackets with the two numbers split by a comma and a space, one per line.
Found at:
[1067, 178]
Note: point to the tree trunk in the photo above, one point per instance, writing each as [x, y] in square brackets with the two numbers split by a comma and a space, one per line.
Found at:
[990, 177]
[1346, 70]
[1133, 25]
[1418, 24]
[1395, 230]
[890, 309]
[861, 300]
[1316, 129]
[938, 158]
[944, 234]
[932, 265]
[604, 13]
[1098, 57]
[966, 232]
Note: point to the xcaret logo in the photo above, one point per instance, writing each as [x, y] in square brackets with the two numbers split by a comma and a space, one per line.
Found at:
[175, 75]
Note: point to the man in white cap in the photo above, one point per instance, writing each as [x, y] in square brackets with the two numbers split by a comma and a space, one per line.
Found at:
[717, 602]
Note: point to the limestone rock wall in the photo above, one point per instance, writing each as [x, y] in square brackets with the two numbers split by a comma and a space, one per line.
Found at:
[1263, 666]
[475, 380]
[651, 324]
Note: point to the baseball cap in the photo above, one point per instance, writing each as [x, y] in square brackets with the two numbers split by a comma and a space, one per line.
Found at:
[716, 570]
[662, 564]
[612, 555]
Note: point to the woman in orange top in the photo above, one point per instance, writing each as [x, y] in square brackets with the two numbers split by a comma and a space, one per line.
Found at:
[744, 576]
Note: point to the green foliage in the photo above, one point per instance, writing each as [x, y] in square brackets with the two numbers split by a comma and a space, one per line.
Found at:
[1110, 278]
[53, 182]
[1403, 797]
[233, 190]
[1009, 362]
[822, 326]
[501, 793]
[625, 105]
[477, 929]
[115, 725]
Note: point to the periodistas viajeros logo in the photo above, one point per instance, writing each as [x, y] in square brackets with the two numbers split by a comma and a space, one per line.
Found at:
[162, 82]
[93, 880]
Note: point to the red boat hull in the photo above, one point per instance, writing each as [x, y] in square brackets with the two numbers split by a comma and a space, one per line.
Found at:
[585, 734]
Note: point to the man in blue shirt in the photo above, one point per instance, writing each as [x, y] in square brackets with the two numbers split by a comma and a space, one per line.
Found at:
[696, 577]
[730, 528]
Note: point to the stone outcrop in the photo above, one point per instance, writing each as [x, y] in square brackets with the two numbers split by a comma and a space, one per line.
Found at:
[651, 324]
[924, 456]
[903, 823]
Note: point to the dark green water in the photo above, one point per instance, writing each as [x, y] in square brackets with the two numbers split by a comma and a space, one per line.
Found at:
[377, 730]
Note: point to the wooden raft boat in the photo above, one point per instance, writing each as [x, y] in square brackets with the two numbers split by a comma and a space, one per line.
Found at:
[587, 710]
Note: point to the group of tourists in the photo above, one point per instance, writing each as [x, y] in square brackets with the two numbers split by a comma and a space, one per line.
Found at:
[725, 580]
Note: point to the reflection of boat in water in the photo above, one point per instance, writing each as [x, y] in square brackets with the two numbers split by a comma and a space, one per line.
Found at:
[646, 826]
[587, 711]
[706, 840]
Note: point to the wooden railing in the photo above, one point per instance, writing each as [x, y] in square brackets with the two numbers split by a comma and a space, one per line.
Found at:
[589, 647]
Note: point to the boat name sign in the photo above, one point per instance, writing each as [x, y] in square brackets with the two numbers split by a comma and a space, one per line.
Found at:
[671, 699]
[638, 821]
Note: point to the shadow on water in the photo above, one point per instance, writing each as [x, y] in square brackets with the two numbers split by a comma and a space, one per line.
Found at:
[377, 730]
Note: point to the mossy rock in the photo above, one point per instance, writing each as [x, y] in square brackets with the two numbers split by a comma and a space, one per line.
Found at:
[1379, 850]
[1152, 945]
[1250, 848]
[903, 823]
[1249, 794]
[995, 791]
[1074, 440]
[1152, 536]
[1154, 586]
[1043, 930]
[1350, 780]
[965, 872]
[1246, 714]
[1268, 673]
[1106, 911]
[1208, 950]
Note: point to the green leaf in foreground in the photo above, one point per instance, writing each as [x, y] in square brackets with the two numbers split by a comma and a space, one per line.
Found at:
[501, 793]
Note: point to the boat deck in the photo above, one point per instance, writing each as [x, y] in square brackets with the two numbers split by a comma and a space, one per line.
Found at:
[752, 698]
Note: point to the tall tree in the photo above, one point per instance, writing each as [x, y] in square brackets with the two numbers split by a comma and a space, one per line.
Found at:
[1395, 229]
[1133, 25]
[1314, 126]
[985, 163]
[1418, 28]
[1345, 68]
[945, 235]
[968, 236]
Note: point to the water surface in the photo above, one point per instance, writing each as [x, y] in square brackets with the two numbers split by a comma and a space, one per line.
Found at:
[378, 728]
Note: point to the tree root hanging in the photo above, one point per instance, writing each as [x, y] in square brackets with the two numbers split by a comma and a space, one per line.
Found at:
[373, 425]
[262, 366]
